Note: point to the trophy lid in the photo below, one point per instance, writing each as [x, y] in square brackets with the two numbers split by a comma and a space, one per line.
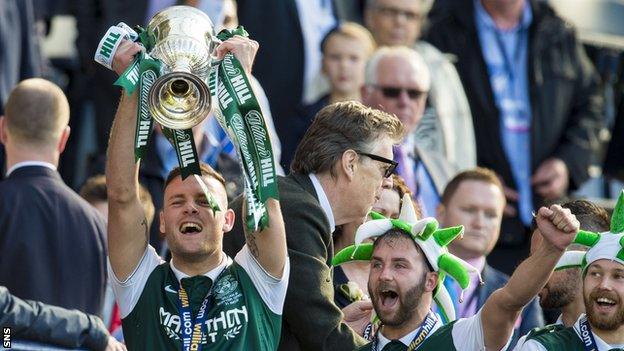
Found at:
[181, 19]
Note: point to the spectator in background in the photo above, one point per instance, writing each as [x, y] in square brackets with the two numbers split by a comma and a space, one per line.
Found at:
[446, 126]
[475, 199]
[20, 56]
[351, 278]
[31, 320]
[391, 199]
[289, 33]
[94, 192]
[51, 241]
[534, 99]
[397, 82]
[345, 50]
[564, 290]
[218, 139]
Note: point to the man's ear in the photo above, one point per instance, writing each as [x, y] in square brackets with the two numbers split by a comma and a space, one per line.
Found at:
[431, 281]
[161, 222]
[440, 212]
[3, 132]
[324, 66]
[229, 220]
[63, 140]
[348, 163]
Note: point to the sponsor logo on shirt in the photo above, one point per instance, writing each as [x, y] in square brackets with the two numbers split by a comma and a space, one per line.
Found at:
[227, 324]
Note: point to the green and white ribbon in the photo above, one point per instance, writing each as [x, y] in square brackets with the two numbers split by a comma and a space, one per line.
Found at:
[238, 112]
[143, 72]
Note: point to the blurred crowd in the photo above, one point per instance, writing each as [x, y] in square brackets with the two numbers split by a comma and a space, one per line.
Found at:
[503, 110]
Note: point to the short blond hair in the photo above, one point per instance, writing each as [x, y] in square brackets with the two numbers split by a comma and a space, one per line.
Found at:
[352, 31]
[36, 112]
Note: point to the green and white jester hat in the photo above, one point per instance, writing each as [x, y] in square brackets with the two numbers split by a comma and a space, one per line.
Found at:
[607, 245]
[431, 239]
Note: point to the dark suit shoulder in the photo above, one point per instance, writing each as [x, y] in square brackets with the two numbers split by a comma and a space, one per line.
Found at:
[304, 218]
[307, 227]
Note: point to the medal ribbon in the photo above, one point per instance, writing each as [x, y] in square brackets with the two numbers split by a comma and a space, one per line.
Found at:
[587, 337]
[421, 335]
[191, 328]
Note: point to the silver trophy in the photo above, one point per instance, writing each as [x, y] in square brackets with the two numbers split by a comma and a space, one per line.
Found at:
[184, 43]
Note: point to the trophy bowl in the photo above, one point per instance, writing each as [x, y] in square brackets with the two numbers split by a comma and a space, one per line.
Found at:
[184, 43]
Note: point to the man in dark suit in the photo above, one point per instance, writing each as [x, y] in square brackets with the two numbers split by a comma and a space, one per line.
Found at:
[337, 173]
[397, 82]
[19, 50]
[474, 198]
[535, 103]
[52, 244]
[289, 33]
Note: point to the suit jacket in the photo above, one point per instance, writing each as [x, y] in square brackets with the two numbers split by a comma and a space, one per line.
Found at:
[311, 320]
[279, 64]
[19, 50]
[532, 315]
[52, 242]
[565, 100]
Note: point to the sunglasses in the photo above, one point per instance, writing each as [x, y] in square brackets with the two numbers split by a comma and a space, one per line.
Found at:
[392, 165]
[393, 93]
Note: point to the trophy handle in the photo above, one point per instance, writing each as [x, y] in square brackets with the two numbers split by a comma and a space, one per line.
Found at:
[214, 62]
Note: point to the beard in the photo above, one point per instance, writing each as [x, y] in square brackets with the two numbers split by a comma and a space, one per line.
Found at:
[406, 304]
[563, 292]
[604, 322]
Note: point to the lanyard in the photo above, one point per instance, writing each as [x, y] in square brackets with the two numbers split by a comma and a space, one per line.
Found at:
[368, 331]
[511, 61]
[587, 337]
[192, 327]
[421, 335]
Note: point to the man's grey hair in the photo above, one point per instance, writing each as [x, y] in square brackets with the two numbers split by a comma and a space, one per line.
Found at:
[409, 55]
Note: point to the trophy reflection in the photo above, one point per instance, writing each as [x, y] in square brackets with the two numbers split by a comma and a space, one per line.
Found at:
[184, 43]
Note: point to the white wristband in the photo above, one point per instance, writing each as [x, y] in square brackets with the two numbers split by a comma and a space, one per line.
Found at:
[110, 42]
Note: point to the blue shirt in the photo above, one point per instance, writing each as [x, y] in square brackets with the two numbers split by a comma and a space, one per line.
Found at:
[505, 53]
[424, 190]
